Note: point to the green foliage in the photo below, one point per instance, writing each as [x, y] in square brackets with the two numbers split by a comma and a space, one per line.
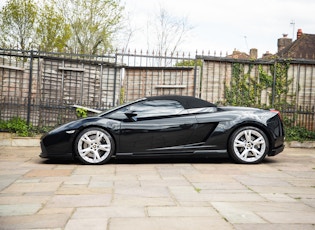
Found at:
[93, 24]
[189, 63]
[80, 26]
[42, 129]
[265, 79]
[281, 85]
[122, 96]
[81, 113]
[298, 133]
[243, 90]
[17, 20]
[52, 32]
[18, 126]
[295, 132]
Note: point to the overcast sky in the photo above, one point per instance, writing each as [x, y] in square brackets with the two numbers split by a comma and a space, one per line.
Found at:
[225, 25]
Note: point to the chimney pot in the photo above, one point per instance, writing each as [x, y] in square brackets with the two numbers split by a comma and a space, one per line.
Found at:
[299, 33]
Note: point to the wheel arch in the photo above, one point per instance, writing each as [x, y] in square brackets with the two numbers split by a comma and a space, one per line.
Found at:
[256, 125]
[92, 126]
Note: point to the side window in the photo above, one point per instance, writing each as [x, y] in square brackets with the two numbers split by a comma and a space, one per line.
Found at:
[117, 114]
[156, 108]
[146, 109]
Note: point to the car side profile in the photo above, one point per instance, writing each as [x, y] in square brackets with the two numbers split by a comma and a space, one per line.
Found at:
[169, 126]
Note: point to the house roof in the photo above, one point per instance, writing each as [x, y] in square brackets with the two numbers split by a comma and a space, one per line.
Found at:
[238, 55]
[301, 48]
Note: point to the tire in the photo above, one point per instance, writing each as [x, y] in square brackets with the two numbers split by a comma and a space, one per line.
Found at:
[248, 145]
[94, 146]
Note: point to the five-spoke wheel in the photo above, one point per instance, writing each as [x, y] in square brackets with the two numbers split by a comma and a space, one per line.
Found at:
[94, 146]
[248, 145]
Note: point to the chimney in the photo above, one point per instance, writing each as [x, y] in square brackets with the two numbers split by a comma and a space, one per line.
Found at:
[299, 33]
[253, 53]
[283, 42]
[266, 55]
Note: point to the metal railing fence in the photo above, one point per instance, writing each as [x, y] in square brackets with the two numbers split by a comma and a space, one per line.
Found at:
[43, 87]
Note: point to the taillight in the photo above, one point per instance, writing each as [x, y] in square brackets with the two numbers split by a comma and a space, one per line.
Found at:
[276, 111]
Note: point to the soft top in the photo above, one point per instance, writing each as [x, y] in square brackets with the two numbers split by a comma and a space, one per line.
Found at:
[187, 102]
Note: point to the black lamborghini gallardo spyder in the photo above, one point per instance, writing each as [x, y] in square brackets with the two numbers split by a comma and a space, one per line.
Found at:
[169, 126]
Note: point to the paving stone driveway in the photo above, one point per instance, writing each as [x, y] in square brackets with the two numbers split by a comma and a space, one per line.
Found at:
[173, 194]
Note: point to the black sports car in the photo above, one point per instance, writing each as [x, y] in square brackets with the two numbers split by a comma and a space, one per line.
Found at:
[165, 126]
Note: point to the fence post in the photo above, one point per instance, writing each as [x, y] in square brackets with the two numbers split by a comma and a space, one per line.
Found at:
[30, 90]
[115, 79]
[274, 83]
[195, 78]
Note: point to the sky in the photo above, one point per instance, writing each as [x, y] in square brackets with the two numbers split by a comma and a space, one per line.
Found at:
[226, 25]
[223, 25]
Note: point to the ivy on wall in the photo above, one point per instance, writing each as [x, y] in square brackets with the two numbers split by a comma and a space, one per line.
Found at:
[246, 90]
[243, 90]
[281, 84]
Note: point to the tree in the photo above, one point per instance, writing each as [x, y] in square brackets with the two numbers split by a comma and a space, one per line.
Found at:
[93, 23]
[168, 31]
[52, 32]
[17, 20]
[81, 26]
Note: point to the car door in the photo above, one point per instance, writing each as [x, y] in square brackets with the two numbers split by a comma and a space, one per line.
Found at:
[155, 127]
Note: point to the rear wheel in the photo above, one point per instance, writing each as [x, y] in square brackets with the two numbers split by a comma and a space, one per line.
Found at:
[248, 145]
[94, 146]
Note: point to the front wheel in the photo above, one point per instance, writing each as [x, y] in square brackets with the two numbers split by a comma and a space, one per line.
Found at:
[248, 145]
[94, 146]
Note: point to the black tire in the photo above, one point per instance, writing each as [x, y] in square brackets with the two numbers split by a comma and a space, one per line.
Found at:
[248, 145]
[94, 146]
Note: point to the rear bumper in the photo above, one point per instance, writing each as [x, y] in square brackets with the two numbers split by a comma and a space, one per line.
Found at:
[276, 151]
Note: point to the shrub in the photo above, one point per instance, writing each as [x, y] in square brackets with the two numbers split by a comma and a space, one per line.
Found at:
[16, 125]
[81, 113]
[298, 133]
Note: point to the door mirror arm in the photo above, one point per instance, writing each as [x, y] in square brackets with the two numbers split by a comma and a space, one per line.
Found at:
[131, 116]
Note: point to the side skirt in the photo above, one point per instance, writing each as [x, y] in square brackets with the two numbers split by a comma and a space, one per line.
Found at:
[198, 153]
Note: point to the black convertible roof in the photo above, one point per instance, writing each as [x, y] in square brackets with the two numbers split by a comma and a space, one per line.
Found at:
[187, 102]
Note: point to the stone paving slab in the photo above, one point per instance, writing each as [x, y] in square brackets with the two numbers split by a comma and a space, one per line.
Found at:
[174, 223]
[274, 226]
[165, 194]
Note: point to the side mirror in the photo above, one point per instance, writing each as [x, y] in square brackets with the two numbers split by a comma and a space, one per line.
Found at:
[131, 116]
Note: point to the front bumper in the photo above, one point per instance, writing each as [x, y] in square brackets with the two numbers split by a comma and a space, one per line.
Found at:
[55, 154]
